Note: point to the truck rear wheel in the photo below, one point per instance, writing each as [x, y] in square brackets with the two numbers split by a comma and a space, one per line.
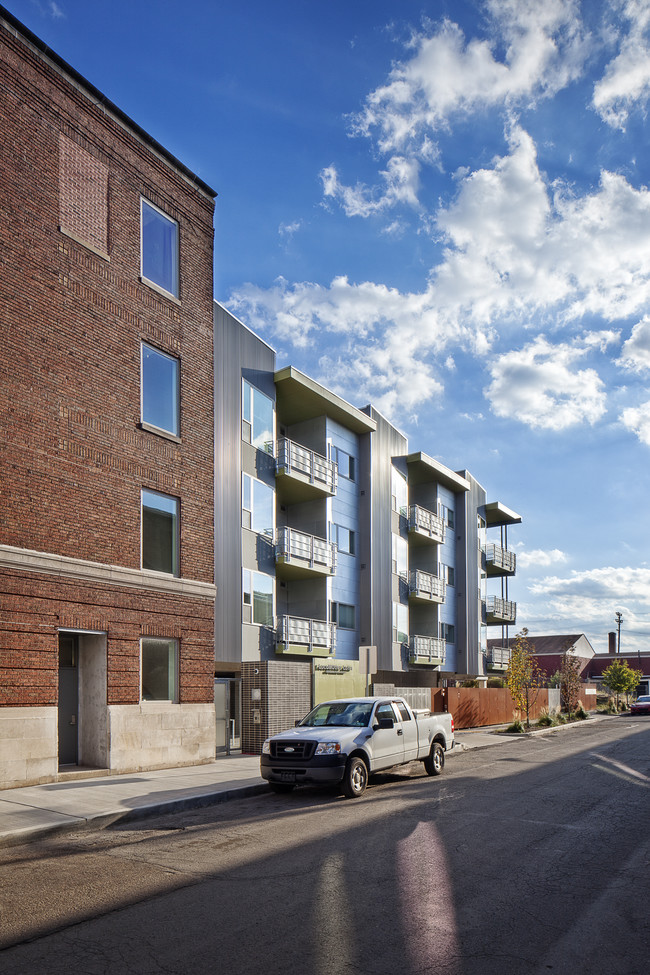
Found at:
[355, 778]
[435, 760]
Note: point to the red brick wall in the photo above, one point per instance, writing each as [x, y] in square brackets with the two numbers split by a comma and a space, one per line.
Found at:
[35, 606]
[73, 458]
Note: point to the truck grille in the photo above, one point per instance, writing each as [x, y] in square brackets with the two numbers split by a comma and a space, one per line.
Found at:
[293, 751]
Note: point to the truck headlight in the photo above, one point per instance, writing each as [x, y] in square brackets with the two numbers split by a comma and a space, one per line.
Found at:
[266, 747]
[328, 748]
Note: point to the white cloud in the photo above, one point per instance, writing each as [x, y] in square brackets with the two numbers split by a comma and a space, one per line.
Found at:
[538, 386]
[626, 81]
[637, 420]
[289, 229]
[538, 557]
[400, 185]
[635, 354]
[585, 601]
[518, 253]
[544, 48]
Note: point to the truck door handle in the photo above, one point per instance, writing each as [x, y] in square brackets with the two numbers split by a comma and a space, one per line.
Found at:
[399, 731]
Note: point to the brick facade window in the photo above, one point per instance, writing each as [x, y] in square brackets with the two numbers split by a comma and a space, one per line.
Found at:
[159, 670]
[160, 532]
[160, 390]
[159, 248]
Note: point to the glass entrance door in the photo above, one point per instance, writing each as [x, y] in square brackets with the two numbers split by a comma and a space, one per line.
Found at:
[227, 704]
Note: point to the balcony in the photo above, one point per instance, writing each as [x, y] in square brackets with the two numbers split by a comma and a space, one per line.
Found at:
[302, 474]
[428, 650]
[500, 610]
[425, 525]
[299, 556]
[314, 638]
[425, 587]
[499, 561]
[498, 658]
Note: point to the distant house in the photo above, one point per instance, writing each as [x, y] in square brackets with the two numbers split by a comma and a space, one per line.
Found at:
[549, 651]
[638, 661]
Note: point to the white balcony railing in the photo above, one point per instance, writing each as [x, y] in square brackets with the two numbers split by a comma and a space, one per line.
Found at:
[427, 650]
[501, 610]
[424, 585]
[426, 523]
[298, 635]
[298, 461]
[498, 658]
[308, 550]
[501, 558]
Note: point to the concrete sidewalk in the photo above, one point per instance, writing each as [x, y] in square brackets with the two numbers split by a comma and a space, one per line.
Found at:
[34, 811]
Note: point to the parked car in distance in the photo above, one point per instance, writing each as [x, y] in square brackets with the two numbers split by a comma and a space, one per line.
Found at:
[343, 742]
[641, 705]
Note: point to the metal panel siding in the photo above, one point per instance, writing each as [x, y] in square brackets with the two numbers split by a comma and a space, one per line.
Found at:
[468, 568]
[388, 443]
[238, 354]
[344, 507]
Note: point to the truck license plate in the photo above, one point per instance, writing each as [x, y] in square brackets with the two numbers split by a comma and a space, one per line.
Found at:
[287, 776]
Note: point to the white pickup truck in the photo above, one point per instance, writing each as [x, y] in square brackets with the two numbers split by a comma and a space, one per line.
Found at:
[346, 741]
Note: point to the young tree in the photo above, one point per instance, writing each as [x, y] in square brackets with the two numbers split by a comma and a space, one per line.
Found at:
[569, 680]
[620, 678]
[523, 676]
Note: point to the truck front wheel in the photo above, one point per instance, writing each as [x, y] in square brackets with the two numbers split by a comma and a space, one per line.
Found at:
[435, 760]
[355, 778]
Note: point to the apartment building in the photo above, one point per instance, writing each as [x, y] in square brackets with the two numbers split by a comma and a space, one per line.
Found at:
[106, 423]
[343, 560]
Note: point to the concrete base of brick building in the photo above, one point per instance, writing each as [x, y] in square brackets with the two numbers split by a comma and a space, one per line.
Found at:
[140, 737]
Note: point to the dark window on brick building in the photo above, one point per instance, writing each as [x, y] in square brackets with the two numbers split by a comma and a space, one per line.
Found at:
[159, 670]
[159, 532]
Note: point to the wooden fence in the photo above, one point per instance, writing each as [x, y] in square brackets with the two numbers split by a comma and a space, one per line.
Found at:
[476, 707]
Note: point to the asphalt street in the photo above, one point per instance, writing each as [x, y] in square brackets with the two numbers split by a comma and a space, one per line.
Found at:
[527, 858]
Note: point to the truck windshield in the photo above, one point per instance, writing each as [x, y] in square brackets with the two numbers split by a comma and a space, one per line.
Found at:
[352, 714]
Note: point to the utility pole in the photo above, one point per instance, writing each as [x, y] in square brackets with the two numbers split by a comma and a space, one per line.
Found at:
[619, 619]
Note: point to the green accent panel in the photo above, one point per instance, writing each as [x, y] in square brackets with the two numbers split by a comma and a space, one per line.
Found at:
[415, 658]
[338, 679]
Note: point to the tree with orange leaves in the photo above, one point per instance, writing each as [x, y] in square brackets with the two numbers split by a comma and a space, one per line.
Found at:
[524, 677]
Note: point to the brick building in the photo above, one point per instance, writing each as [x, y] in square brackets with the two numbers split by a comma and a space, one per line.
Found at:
[106, 431]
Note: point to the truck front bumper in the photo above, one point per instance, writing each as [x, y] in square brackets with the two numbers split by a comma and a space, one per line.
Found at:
[321, 770]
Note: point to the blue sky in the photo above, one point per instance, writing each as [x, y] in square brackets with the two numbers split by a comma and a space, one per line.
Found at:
[442, 208]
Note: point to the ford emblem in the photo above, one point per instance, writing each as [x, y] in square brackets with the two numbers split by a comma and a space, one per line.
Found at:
[289, 749]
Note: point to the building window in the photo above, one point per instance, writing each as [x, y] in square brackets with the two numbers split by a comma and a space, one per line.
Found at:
[344, 539]
[159, 242]
[258, 506]
[448, 632]
[400, 556]
[159, 532]
[400, 623]
[399, 491]
[160, 390]
[159, 670]
[258, 593]
[344, 615]
[344, 461]
[447, 515]
[448, 573]
[258, 418]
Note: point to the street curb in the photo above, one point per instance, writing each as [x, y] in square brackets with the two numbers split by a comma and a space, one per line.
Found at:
[102, 820]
